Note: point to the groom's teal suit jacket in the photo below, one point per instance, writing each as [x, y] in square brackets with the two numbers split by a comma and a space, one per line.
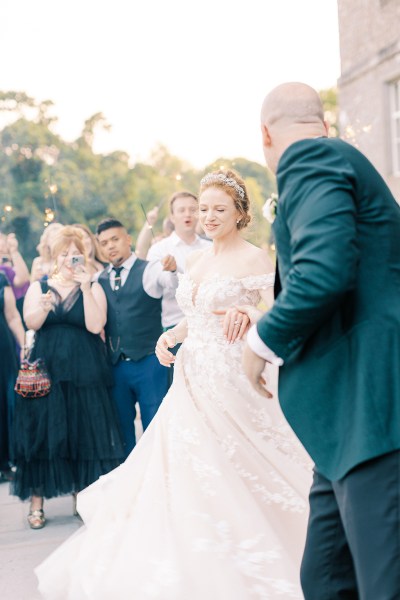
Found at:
[336, 321]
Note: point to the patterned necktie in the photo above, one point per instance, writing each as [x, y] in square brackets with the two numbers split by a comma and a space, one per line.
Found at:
[117, 278]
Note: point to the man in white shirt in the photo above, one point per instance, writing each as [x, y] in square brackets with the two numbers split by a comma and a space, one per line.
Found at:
[184, 240]
[174, 249]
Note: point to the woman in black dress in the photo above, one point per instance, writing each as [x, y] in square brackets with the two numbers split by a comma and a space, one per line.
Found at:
[11, 337]
[67, 439]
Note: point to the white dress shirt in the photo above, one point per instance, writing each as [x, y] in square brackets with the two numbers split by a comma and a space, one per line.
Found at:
[155, 279]
[179, 249]
[261, 349]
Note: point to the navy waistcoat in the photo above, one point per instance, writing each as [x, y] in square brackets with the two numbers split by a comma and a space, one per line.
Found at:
[133, 317]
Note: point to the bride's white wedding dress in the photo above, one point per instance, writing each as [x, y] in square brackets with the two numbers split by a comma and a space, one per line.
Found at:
[212, 503]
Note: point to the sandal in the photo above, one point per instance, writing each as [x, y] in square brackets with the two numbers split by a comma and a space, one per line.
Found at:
[36, 519]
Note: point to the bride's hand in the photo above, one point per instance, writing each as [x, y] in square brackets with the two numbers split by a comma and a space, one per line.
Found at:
[253, 313]
[165, 341]
[235, 322]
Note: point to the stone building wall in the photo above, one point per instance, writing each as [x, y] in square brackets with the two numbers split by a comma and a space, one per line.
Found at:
[369, 32]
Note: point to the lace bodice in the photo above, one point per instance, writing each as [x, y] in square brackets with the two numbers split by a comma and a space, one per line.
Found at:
[210, 360]
[197, 301]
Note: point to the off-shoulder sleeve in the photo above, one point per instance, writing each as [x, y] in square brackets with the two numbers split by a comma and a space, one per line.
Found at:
[259, 282]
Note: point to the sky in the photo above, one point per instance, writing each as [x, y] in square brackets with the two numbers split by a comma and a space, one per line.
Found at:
[190, 75]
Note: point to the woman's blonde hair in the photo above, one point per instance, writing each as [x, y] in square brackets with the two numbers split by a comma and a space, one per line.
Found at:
[65, 237]
[44, 246]
[96, 249]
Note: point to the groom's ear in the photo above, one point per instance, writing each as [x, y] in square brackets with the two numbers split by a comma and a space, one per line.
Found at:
[266, 138]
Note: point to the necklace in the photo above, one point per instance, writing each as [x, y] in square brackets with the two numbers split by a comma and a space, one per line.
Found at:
[60, 279]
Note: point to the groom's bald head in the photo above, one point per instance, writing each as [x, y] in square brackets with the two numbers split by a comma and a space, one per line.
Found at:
[290, 112]
[292, 103]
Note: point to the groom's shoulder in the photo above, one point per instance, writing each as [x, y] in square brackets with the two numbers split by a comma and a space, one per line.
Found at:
[325, 159]
[332, 159]
[316, 148]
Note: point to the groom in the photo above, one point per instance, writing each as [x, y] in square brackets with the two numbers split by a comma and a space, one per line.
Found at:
[335, 327]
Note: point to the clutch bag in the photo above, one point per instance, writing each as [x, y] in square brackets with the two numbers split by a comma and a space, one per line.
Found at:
[33, 380]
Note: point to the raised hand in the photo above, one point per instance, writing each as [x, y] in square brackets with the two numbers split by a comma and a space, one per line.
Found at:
[12, 243]
[151, 216]
[83, 277]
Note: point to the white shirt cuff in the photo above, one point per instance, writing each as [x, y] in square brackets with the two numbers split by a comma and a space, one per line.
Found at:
[258, 346]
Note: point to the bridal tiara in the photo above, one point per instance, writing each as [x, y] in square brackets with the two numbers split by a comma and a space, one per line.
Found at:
[221, 178]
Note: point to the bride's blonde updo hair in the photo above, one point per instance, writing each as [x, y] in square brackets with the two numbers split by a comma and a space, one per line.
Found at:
[65, 237]
[232, 184]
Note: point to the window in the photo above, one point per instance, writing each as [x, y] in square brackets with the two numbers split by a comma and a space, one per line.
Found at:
[395, 125]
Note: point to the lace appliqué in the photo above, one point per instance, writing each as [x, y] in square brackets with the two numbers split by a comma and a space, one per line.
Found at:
[215, 379]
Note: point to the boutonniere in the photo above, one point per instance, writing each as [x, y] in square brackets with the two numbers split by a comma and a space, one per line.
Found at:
[269, 208]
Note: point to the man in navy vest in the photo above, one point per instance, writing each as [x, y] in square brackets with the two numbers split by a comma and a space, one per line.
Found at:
[133, 288]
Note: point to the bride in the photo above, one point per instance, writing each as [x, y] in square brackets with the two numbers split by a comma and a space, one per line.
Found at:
[212, 503]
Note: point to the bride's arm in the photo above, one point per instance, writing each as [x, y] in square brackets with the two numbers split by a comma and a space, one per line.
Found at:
[253, 312]
[169, 339]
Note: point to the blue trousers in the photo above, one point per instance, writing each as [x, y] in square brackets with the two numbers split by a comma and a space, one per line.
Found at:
[353, 542]
[174, 350]
[144, 382]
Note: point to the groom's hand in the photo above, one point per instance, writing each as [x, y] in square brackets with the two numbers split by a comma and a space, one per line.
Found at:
[253, 366]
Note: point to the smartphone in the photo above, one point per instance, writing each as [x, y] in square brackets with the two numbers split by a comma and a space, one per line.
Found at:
[77, 260]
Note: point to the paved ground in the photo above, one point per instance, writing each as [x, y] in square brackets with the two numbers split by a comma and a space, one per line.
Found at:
[22, 549]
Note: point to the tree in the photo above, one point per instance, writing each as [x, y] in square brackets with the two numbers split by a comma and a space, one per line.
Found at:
[43, 177]
[331, 110]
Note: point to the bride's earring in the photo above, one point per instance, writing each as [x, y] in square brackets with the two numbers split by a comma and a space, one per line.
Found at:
[238, 221]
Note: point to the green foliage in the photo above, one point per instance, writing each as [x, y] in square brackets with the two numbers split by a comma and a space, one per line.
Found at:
[331, 110]
[39, 171]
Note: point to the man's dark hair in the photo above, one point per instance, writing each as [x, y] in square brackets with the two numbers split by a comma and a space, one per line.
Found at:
[108, 223]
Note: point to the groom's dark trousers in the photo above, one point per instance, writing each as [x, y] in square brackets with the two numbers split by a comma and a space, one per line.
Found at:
[347, 549]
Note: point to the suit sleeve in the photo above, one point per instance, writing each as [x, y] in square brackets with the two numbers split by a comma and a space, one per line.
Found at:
[318, 209]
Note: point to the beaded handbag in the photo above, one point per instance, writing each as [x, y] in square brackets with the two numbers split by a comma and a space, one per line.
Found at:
[33, 380]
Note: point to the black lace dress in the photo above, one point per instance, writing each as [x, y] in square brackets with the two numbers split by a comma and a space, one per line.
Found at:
[66, 440]
[8, 374]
